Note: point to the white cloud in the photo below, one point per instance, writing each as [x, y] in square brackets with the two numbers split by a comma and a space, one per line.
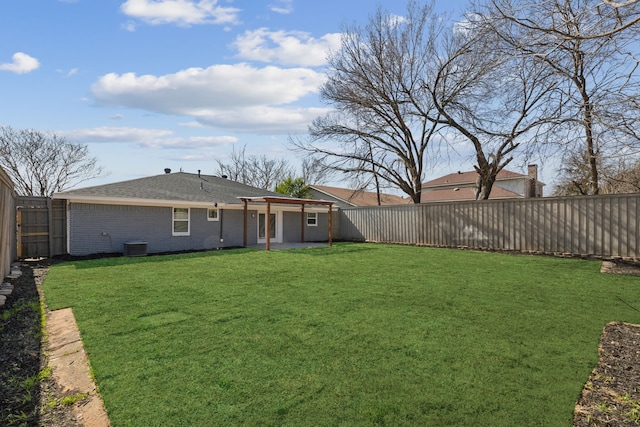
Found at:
[146, 138]
[113, 134]
[69, 73]
[264, 119]
[239, 96]
[466, 27]
[286, 47]
[195, 142]
[22, 63]
[180, 12]
[191, 124]
[129, 26]
[282, 6]
[396, 20]
[198, 157]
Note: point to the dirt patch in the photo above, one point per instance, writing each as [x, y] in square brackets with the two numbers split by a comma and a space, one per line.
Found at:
[628, 268]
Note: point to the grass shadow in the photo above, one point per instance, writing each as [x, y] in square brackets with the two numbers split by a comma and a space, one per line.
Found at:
[109, 260]
[339, 248]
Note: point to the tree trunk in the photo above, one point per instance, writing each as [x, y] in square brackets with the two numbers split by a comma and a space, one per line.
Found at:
[484, 184]
[592, 156]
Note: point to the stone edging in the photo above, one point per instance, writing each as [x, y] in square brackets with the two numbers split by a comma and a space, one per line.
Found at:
[70, 367]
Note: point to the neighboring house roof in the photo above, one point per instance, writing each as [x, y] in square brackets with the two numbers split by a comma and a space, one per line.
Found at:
[468, 178]
[461, 186]
[360, 197]
[463, 193]
[173, 188]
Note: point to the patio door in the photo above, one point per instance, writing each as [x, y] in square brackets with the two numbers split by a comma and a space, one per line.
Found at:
[273, 227]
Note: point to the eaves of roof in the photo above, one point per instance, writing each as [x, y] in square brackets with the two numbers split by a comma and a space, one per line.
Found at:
[134, 201]
[466, 178]
[463, 194]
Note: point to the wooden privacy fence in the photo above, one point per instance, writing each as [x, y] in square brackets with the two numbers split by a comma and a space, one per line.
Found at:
[7, 223]
[603, 226]
[41, 227]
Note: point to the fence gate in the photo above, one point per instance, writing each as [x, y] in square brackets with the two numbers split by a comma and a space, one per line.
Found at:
[41, 227]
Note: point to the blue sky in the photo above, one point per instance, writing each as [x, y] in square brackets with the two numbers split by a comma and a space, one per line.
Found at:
[149, 84]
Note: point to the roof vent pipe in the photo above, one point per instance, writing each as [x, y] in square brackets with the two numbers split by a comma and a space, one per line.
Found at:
[198, 173]
[167, 170]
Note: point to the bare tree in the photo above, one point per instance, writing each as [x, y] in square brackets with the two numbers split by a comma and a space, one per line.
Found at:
[383, 119]
[609, 17]
[258, 171]
[574, 175]
[315, 170]
[401, 83]
[596, 69]
[490, 95]
[622, 177]
[41, 164]
[236, 167]
[618, 176]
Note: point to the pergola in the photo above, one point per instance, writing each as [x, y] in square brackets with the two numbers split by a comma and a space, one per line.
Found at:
[287, 201]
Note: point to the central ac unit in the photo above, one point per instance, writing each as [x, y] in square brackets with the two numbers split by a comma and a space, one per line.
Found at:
[135, 249]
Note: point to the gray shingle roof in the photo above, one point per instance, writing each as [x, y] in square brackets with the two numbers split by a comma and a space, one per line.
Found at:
[177, 186]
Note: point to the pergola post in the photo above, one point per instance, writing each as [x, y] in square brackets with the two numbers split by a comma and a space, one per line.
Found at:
[330, 226]
[244, 237]
[267, 225]
[302, 225]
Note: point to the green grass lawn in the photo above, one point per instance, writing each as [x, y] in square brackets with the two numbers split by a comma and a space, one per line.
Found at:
[354, 334]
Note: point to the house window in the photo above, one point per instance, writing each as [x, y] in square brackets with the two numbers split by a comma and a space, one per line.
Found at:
[213, 215]
[312, 219]
[181, 221]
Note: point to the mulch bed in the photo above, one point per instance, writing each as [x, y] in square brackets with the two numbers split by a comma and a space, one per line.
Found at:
[26, 397]
[611, 396]
[20, 354]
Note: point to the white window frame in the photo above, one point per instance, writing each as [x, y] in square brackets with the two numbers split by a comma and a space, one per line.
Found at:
[214, 218]
[174, 220]
[312, 219]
